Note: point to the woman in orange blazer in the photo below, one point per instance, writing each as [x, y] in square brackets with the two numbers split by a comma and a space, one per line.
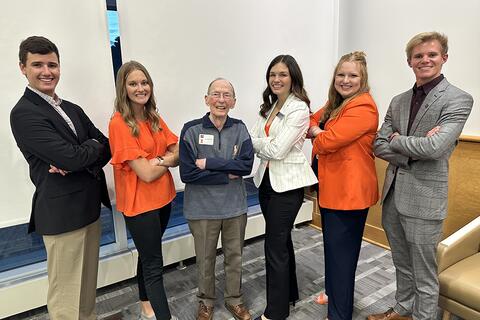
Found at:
[343, 132]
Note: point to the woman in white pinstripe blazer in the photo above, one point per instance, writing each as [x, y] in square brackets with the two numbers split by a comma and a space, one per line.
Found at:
[284, 171]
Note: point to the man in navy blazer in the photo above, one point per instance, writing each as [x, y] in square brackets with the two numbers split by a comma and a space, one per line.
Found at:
[65, 153]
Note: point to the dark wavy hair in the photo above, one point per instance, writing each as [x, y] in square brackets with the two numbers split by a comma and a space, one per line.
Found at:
[269, 98]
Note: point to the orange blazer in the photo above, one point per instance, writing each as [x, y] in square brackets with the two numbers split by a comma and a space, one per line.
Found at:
[346, 165]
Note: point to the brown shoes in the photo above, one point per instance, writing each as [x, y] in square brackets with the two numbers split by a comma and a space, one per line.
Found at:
[239, 311]
[204, 312]
[388, 315]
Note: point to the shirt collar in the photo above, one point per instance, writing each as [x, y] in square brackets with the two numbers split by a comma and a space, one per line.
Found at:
[427, 87]
[207, 123]
[54, 101]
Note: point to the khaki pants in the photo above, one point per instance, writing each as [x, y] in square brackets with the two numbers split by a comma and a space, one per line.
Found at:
[72, 262]
[205, 234]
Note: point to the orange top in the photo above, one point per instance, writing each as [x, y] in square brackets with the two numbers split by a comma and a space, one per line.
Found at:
[133, 195]
[346, 165]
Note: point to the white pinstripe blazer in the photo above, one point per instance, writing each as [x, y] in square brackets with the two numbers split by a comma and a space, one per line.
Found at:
[282, 149]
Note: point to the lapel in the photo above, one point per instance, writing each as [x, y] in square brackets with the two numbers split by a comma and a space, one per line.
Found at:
[77, 122]
[404, 105]
[52, 114]
[280, 115]
[432, 96]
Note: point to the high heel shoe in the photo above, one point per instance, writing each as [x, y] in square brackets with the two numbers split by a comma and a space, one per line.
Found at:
[322, 299]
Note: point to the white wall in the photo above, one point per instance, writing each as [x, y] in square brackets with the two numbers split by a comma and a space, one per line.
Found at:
[383, 28]
[80, 32]
[186, 44]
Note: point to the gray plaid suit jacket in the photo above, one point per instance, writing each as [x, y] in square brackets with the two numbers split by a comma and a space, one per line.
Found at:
[419, 164]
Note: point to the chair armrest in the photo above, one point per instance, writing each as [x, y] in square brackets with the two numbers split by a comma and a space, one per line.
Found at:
[460, 245]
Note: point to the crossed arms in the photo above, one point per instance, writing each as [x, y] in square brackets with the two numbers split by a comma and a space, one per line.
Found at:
[36, 135]
[398, 149]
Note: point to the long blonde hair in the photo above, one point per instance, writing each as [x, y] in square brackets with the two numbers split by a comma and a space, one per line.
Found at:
[335, 101]
[123, 104]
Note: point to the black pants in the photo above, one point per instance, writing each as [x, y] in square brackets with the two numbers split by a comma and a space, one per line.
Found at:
[322, 220]
[147, 230]
[279, 211]
[342, 239]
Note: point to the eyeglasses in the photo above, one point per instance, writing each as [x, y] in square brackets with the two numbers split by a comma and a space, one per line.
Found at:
[218, 95]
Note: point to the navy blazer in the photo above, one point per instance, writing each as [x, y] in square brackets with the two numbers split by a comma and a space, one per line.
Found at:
[61, 203]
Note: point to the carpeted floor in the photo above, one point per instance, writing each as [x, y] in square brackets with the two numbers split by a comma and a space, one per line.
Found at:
[374, 291]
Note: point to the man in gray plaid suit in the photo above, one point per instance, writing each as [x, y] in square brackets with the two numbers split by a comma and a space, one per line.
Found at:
[418, 136]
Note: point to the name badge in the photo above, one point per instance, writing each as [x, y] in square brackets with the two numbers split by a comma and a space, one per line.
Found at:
[206, 139]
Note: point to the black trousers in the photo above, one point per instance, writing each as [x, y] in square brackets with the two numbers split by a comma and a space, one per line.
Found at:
[342, 239]
[147, 230]
[279, 211]
[322, 220]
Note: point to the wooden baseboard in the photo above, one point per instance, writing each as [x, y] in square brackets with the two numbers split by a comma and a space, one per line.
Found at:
[375, 235]
[469, 138]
